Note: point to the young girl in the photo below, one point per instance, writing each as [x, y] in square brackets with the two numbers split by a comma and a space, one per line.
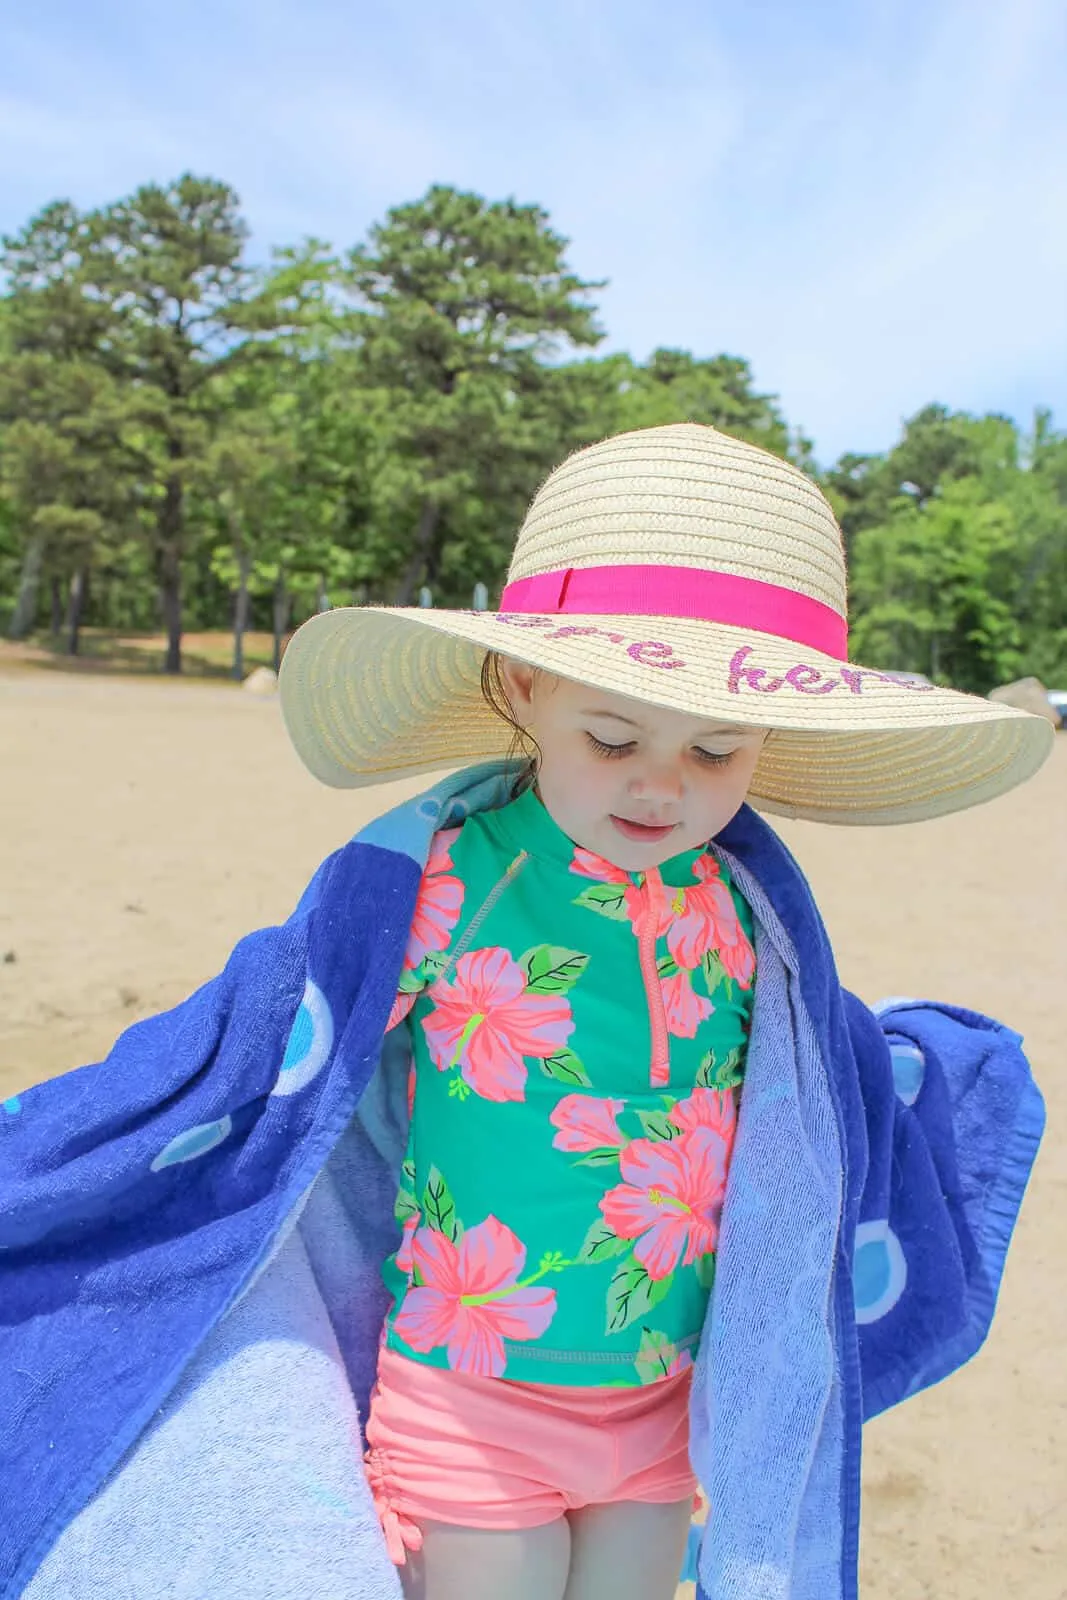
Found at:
[669, 1209]
[589, 926]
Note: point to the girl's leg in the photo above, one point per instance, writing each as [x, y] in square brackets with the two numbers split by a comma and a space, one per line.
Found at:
[627, 1551]
[486, 1564]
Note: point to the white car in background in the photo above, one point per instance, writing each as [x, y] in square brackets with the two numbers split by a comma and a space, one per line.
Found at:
[1057, 699]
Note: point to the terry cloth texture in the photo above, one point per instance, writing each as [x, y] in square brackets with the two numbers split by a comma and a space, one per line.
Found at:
[192, 1234]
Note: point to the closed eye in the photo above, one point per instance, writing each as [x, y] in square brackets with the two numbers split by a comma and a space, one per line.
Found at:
[608, 751]
[613, 752]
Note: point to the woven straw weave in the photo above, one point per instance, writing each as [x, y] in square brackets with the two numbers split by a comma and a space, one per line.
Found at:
[374, 693]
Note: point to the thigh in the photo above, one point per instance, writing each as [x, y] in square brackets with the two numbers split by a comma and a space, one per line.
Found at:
[627, 1551]
[489, 1564]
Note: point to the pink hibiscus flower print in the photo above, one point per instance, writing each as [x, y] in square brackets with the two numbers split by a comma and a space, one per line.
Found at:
[654, 907]
[437, 909]
[484, 1024]
[651, 899]
[707, 1108]
[651, 906]
[671, 1198]
[738, 957]
[404, 1258]
[707, 920]
[402, 1006]
[684, 1009]
[586, 1123]
[470, 1299]
[587, 864]
[439, 902]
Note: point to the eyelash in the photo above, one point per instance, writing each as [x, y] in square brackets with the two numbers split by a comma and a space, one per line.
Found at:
[615, 752]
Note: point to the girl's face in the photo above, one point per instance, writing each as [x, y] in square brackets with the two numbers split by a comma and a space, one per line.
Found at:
[635, 783]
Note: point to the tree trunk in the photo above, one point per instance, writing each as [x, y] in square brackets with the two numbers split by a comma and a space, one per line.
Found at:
[240, 613]
[282, 605]
[56, 627]
[170, 601]
[79, 584]
[429, 517]
[25, 613]
[170, 572]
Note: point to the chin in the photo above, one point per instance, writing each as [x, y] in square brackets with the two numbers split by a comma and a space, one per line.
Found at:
[641, 857]
[633, 857]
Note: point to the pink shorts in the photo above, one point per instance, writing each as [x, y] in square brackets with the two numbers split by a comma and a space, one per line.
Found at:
[489, 1453]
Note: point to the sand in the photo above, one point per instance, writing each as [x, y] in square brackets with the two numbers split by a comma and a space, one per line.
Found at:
[147, 825]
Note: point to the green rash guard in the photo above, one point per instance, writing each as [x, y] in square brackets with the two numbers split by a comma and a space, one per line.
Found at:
[579, 1036]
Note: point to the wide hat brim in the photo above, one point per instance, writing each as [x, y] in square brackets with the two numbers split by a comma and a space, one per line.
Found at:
[371, 694]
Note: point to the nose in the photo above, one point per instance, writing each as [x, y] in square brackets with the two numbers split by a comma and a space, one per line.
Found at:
[657, 783]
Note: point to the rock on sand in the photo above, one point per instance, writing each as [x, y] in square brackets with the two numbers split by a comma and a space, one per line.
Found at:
[261, 681]
[1028, 694]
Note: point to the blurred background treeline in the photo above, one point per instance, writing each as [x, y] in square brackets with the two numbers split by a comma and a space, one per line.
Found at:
[193, 441]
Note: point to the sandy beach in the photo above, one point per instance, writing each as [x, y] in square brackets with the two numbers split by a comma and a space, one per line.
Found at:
[146, 826]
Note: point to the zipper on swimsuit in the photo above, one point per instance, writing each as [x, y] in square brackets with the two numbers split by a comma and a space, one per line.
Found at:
[660, 1068]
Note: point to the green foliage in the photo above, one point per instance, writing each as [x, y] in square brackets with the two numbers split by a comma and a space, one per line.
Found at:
[673, 386]
[959, 553]
[186, 434]
[127, 324]
[933, 588]
[459, 306]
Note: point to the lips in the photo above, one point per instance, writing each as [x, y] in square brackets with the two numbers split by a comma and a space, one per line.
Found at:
[642, 832]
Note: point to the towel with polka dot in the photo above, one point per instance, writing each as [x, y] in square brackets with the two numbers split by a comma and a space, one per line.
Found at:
[878, 1169]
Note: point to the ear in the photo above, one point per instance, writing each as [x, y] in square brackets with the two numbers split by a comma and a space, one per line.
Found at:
[518, 681]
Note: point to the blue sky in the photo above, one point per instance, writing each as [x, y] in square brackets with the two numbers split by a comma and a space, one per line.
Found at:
[865, 198]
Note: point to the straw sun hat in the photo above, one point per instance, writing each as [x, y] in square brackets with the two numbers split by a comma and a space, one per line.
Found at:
[683, 568]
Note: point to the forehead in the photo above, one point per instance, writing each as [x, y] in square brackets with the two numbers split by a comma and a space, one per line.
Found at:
[576, 699]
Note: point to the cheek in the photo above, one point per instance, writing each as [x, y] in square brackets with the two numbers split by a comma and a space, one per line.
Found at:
[748, 771]
[576, 776]
[590, 777]
[723, 793]
[745, 770]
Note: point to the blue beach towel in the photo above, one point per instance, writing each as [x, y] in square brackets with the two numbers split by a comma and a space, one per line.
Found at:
[192, 1231]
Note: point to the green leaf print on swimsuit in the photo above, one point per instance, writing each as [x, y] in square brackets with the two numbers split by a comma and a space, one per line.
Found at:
[722, 1072]
[578, 1037]
[550, 970]
[439, 1208]
[659, 1357]
[565, 1067]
